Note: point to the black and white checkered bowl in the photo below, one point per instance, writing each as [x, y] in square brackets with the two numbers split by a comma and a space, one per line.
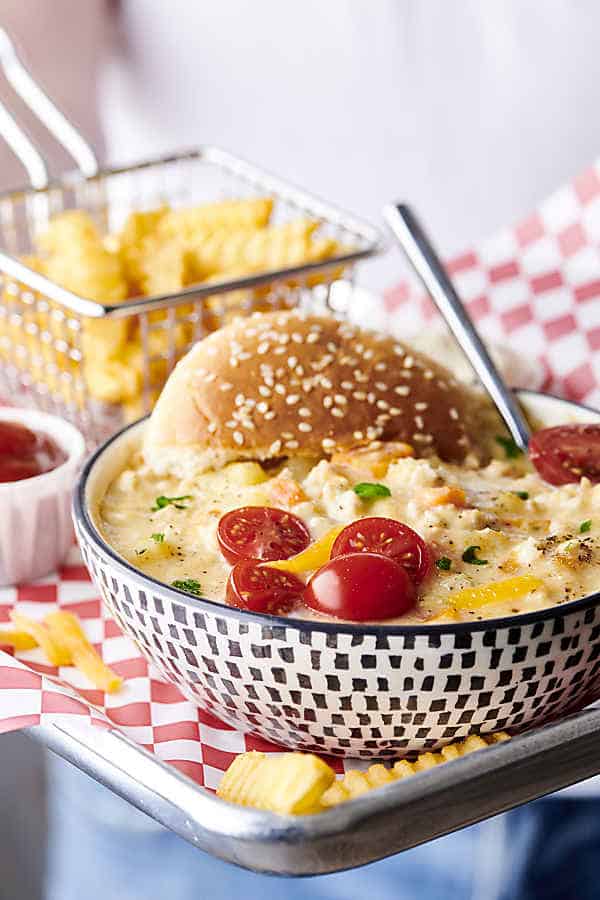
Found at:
[351, 690]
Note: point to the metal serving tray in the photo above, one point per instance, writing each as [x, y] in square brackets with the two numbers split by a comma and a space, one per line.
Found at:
[381, 823]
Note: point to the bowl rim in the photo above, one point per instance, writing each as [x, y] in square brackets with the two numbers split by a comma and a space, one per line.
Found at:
[84, 523]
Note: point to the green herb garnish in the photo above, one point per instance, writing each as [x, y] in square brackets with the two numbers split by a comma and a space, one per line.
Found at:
[367, 491]
[585, 526]
[443, 563]
[161, 502]
[524, 495]
[470, 556]
[510, 448]
[158, 537]
[188, 584]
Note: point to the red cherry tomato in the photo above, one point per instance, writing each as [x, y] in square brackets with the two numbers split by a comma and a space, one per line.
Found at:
[261, 532]
[360, 587]
[24, 454]
[566, 453]
[388, 537]
[263, 589]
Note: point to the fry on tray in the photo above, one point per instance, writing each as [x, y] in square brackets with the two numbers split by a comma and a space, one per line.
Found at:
[64, 627]
[53, 646]
[20, 640]
[301, 783]
[288, 784]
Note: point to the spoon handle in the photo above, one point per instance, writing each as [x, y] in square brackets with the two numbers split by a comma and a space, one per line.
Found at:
[425, 261]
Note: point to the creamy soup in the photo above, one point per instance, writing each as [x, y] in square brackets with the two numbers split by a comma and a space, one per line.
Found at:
[498, 527]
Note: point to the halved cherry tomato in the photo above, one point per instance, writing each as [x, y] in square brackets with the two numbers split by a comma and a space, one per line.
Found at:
[375, 534]
[262, 589]
[360, 587]
[261, 532]
[25, 454]
[566, 453]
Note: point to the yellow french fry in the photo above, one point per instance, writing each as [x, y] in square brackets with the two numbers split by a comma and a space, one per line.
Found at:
[20, 640]
[55, 649]
[288, 784]
[495, 592]
[315, 556]
[65, 627]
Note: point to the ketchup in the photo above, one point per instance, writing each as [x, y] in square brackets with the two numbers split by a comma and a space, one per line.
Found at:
[25, 453]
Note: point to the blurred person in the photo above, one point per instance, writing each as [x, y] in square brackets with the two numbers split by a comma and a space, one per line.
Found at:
[471, 111]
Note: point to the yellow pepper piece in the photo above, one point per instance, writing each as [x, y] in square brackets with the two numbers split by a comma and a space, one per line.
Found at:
[495, 592]
[313, 557]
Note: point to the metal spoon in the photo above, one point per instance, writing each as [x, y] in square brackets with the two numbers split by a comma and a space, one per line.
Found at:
[426, 263]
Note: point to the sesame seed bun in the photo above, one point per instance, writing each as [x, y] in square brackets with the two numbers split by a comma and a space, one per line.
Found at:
[287, 384]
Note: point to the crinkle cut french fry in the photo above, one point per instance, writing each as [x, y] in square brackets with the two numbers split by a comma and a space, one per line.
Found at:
[288, 784]
[55, 649]
[20, 640]
[64, 626]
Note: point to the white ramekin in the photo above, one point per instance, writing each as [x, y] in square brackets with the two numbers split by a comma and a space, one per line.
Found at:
[35, 521]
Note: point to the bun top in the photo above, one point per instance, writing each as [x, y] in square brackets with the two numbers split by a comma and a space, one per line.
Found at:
[289, 384]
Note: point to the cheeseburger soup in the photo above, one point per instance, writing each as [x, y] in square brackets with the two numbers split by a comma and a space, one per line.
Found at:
[297, 465]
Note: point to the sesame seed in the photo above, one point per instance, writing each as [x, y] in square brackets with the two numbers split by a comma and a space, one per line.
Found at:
[304, 411]
[423, 438]
[225, 386]
[358, 435]
[326, 383]
[403, 390]
[380, 367]
[371, 397]
[360, 376]
[239, 399]
[395, 411]
[287, 434]
[409, 362]
[233, 362]
[381, 386]
[359, 395]
[296, 337]
[231, 423]
[340, 399]
[279, 389]
[238, 437]
[327, 444]
[453, 413]
[428, 374]
[299, 370]
[304, 426]
[210, 376]
[327, 402]
[292, 361]
[312, 338]
[292, 445]
[262, 407]
[263, 347]
[421, 406]
[212, 427]
[332, 347]
[373, 433]
[347, 385]
[279, 350]
[292, 399]
[398, 350]
[245, 355]
[419, 422]
[270, 415]
[368, 354]
[382, 404]
[275, 447]
[264, 391]
[337, 412]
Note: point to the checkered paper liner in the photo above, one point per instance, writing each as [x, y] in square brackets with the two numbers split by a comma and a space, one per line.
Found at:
[536, 286]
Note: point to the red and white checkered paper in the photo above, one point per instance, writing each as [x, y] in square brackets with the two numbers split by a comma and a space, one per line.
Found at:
[535, 286]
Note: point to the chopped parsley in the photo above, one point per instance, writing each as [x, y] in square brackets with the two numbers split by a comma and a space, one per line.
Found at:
[510, 448]
[470, 556]
[190, 585]
[443, 563]
[524, 495]
[585, 526]
[367, 491]
[161, 502]
[158, 537]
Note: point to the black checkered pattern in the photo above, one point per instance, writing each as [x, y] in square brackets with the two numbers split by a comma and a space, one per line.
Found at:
[358, 693]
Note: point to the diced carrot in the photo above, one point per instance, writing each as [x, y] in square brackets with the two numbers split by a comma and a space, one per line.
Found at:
[448, 495]
[376, 462]
[286, 492]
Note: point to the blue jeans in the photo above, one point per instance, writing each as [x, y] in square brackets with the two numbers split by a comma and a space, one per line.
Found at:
[100, 848]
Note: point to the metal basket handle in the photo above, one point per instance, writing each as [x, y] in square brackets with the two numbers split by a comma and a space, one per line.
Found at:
[48, 114]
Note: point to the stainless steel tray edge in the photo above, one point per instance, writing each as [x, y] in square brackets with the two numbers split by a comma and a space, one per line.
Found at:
[376, 825]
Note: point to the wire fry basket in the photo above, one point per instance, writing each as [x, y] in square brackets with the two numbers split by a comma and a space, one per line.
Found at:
[47, 350]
